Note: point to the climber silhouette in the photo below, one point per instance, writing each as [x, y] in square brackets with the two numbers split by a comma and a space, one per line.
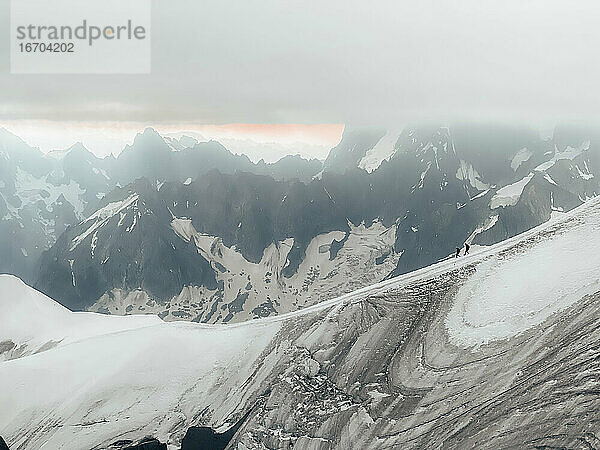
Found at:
[467, 247]
[457, 252]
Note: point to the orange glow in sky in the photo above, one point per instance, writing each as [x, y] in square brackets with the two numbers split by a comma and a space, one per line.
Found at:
[104, 138]
[325, 134]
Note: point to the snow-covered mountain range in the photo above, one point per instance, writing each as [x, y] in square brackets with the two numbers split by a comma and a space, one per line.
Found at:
[40, 195]
[466, 353]
[190, 231]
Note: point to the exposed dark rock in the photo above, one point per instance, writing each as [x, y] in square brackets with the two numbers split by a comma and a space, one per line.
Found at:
[354, 145]
[205, 438]
[433, 190]
[6, 346]
[336, 246]
[148, 444]
[35, 226]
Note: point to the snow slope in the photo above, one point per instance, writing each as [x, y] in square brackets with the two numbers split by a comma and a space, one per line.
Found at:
[466, 172]
[520, 157]
[106, 368]
[251, 290]
[569, 153]
[510, 294]
[30, 322]
[384, 150]
[509, 195]
[365, 360]
[101, 217]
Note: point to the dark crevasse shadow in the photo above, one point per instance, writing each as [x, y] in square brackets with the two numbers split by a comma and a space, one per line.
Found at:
[196, 438]
[205, 438]
[147, 443]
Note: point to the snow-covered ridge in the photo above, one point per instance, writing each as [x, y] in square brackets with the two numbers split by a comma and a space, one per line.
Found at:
[30, 322]
[119, 374]
[157, 379]
[508, 295]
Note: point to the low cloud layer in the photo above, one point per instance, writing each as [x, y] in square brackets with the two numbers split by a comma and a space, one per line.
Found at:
[337, 62]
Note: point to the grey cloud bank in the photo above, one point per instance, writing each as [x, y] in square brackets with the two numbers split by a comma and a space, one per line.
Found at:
[337, 61]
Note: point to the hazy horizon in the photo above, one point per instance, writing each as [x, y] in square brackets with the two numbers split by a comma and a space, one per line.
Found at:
[288, 80]
[269, 142]
[344, 62]
[257, 141]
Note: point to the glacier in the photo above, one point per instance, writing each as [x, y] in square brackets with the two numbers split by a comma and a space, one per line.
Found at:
[491, 350]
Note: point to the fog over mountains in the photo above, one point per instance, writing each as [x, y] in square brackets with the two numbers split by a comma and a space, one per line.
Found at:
[189, 230]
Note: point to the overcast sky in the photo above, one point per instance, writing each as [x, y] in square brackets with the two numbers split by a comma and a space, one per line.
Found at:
[346, 61]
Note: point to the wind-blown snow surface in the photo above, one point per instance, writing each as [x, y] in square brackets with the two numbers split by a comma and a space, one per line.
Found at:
[113, 374]
[493, 350]
[509, 294]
